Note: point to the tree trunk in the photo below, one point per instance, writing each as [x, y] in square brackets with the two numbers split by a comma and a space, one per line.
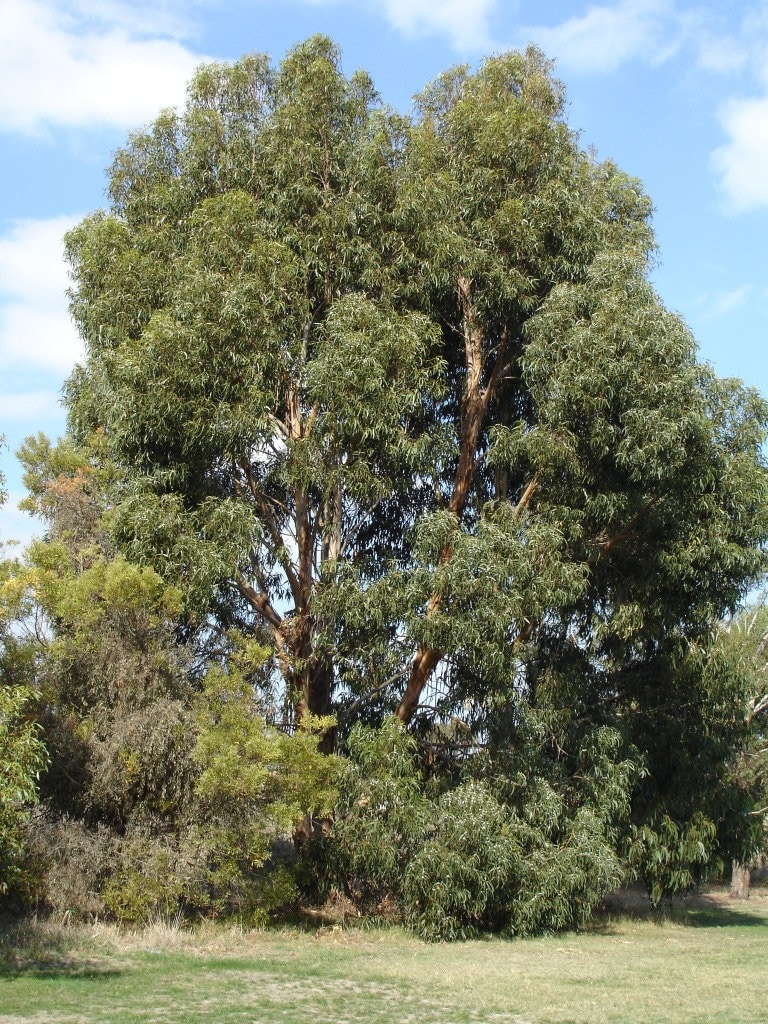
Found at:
[474, 404]
[317, 696]
[740, 879]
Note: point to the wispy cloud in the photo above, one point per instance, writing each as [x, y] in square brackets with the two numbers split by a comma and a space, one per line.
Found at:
[723, 55]
[742, 162]
[708, 307]
[609, 35]
[726, 302]
[35, 329]
[83, 64]
[464, 22]
[173, 19]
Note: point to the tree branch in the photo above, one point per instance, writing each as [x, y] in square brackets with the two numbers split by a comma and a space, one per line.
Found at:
[311, 419]
[528, 494]
[364, 698]
[474, 405]
[501, 349]
[275, 535]
[260, 603]
[756, 705]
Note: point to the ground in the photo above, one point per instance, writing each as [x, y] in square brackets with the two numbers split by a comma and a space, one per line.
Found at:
[699, 959]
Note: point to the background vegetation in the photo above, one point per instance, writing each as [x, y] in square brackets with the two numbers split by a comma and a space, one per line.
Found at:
[398, 542]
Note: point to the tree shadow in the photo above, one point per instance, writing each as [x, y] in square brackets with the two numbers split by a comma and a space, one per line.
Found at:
[33, 949]
[705, 908]
[49, 969]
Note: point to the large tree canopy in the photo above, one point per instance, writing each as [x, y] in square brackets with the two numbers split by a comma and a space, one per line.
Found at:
[398, 391]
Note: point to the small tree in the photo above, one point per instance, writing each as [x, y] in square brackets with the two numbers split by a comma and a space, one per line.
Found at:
[743, 647]
[166, 787]
[22, 753]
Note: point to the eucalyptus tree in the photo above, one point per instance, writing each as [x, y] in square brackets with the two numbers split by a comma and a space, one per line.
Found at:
[398, 391]
[248, 356]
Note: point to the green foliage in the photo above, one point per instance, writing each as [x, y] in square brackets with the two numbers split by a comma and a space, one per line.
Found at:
[740, 661]
[695, 810]
[244, 761]
[111, 680]
[138, 893]
[93, 634]
[257, 253]
[255, 786]
[289, 310]
[455, 881]
[22, 758]
[204, 870]
[164, 794]
[383, 813]
[670, 858]
[467, 858]
[22, 753]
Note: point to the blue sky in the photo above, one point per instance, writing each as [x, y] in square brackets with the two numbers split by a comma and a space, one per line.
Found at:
[676, 93]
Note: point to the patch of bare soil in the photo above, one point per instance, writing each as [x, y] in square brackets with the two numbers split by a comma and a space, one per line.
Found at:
[43, 1017]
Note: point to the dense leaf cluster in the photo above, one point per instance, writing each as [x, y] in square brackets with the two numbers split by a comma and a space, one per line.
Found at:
[501, 848]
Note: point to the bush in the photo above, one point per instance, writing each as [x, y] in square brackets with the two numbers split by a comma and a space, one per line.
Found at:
[79, 873]
[381, 819]
[561, 882]
[454, 883]
[69, 864]
[22, 757]
[138, 895]
[671, 857]
[514, 854]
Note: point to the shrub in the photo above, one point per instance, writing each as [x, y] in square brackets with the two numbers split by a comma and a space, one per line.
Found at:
[22, 757]
[518, 854]
[469, 858]
[382, 816]
[69, 864]
[671, 857]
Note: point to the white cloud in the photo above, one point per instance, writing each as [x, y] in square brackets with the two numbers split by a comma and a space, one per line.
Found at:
[83, 64]
[41, 338]
[608, 36]
[35, 328]
[465, 22]
[144, 18]
[742, 163]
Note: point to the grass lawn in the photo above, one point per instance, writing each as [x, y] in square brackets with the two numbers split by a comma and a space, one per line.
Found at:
[701, 961]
